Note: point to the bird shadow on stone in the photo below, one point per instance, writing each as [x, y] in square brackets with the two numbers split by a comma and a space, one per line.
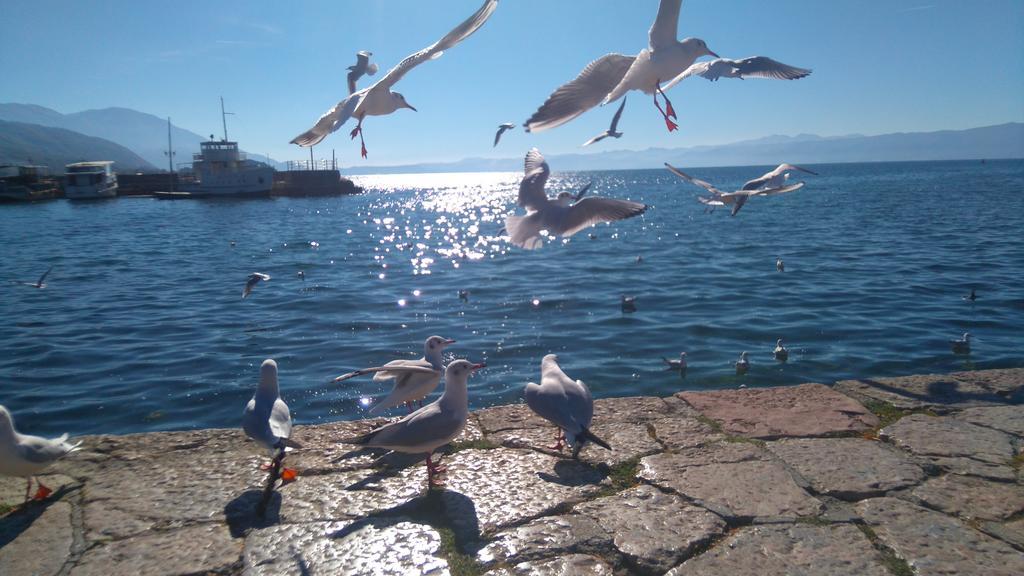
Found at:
[442, 509]
[946, 392]
[573, 473]
[300, 562]
[23, 516]
[386, 466]
[241, 514]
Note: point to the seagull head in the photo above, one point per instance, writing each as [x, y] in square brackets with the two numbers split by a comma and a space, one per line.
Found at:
[437, 343]
[400, 102]
[701, 46]
[461, 369]
[6, 422]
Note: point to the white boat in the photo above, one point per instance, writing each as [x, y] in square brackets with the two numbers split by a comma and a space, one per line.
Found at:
[90, 180]
[221, 170]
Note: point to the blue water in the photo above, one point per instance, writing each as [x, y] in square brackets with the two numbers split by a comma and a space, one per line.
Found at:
[142, 326]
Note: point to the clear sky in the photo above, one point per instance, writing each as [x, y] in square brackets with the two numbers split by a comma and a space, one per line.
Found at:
[879, 66]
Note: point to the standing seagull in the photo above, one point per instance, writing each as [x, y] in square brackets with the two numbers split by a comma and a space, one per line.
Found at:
[409, 385]
[611, 131]
[432, 426]
[378, 99]
[753, 67]
[266, 418]
[609, 77]
[502, 128]
[24, 455]
[362, 66]
[547, 217]
[737, 199]
[254, 279]
[742, 365]
[564, 402]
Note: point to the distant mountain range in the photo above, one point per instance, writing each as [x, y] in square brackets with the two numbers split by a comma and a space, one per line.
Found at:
[1000, 141]
[22, 143]
[144, 134]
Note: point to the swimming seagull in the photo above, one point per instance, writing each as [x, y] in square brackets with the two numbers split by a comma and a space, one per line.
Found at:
[433, 425]
[378, 99]
[502, 128]
[628, 303]
[781, 354]
[742, 365]
[545, 217]
[463, 295]
[677, 365]
[609, 77]
[737, 199]
[24, 455]
[362, 66]
[409, 385]
[564, 402]
[972, 297]
[254, 279]
[266, 418]
[963, 345]
[611, 131]
[39, 283]
[780, 265]
[753, 67]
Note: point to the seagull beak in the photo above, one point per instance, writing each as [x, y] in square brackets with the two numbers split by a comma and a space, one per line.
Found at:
[409, 106]
[479, 366]
[449, 341]
[710, 53]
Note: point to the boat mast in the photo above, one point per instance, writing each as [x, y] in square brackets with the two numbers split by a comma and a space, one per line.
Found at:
[223, 118]
[170, 154]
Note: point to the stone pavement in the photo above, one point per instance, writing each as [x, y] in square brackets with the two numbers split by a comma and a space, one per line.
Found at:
[895, 476]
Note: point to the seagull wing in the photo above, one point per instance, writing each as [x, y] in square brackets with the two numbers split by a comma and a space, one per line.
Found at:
[280, 420]
[531, 189]
[387, 368]
[583, 191]
[789, 167]
[597, 138]
[618, 114]
[710, 201]
[581, 404]
[330, 121]
[705, 185]
[765, 67]
[424, 427]
[42, 450]
[43, 277]
[666, 25]
[695, 69]
[435, 50]
[779, 190]
[581, 94]
[590, 211]
[548, 400]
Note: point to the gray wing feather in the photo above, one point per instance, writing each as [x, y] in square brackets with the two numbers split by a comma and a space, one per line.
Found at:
[330, 121]
[705, 185]
[581, 94]
[765, 67]
[666, 24]
[550, 403]
[592, 210]
[531, 189]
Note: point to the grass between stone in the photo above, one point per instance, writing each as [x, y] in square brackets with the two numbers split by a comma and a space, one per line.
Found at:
[892, 562]
[5, 508]
[888, 415]
[431, 512]
[621, 477]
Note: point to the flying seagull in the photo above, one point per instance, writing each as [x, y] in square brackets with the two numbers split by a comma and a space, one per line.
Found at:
[564, 402]
[775, 178]
[39, 283]
[737, 199]
[545, 217]
[752, 67]
[251, 282]
[378, 99]
[362, 66]
[432, 426]
[611, 131]
[502, 128]
[409, 386]
[25, 456]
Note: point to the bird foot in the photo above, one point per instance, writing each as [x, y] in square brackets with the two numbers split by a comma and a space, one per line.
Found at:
[672, 126]
[42, 493]
[363, 151]
[288, 475]
[355, 132]
[264, 466]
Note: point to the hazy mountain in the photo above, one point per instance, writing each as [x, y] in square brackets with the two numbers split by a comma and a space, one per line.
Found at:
[22, 143]
[1000, 141]
[145, 134]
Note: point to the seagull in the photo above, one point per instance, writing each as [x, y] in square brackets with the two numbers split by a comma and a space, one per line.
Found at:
[266, 418]
[774, 179]
[378, 99]
[737, 199]
[677, 365]
[564, 402]
[780, 265]
[753, 66]
[609, 77]
[24, 455]
[433, 425]
[409, 385]
[781, 354]
[252, 281]
[545, 217]
[611, 131]
[628, 303]
[464, 295]
[502, 128]
[972, 297]
[302, 274]
[742, 365]
[40, 284]
[963, 345]
[362, 66]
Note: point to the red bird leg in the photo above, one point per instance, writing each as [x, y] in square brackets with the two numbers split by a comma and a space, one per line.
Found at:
[668, 103]
[43, 492]
[432, 470]
[560, 438]
[28, 487]
[357, 130]
[668, 121]
[362, 144]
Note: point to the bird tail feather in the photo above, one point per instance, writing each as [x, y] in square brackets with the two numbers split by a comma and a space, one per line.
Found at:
[289, 443]
[584, 436]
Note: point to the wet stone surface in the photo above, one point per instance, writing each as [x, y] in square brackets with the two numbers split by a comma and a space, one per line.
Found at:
[193, 550]
[574, 565]
[768, 413]
[941, 392]
[848, 468]
[546, 537]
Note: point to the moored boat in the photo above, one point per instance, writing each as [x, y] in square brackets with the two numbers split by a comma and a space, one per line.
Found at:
[90, 180]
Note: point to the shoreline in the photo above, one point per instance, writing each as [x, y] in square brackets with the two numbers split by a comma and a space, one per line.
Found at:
[731, 480]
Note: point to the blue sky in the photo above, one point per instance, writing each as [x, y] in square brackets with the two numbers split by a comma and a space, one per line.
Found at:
[879, 66]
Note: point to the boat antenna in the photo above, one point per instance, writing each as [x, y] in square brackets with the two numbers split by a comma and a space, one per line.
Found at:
[223, 118]
[170, 154]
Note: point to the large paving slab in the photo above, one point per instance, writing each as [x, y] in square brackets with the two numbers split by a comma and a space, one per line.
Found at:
[971, 497]
[933, 543]
[941, 392]
[378, 547]
[1006, 418]
[769, 413]
[546, 537]
[786, 550]
[848, 468]
[1011, 531]
[37, 539]
[955, 445]
[201, 549]
[573, 565]
[737, 481]
[653, 529]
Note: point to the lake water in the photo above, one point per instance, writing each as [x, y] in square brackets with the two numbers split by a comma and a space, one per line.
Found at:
[142, 326]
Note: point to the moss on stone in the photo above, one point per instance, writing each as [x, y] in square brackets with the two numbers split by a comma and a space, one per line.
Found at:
[892, 562]
[713, 424]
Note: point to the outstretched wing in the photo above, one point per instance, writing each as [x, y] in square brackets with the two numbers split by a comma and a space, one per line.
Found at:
[435, 50]
[705, 185]
[43, 277]
[397, 370]
[581, 94]
[780, 190]
[695, 69]
[330, 121]
[590, 211]
[666, 25]
[531, 189]
[765, 67]
[618, 114]
[597, 138]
